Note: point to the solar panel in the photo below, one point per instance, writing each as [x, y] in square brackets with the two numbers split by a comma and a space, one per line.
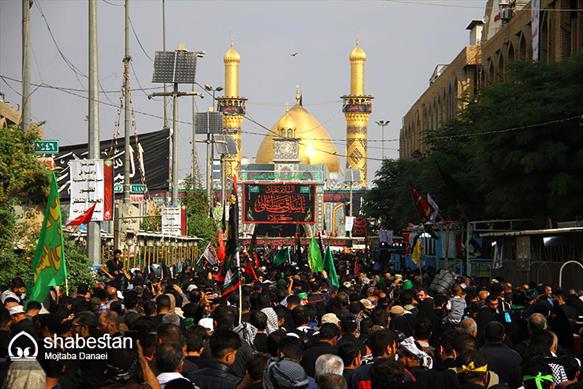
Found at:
[209, 122]
[224, 144]
[220, 144]
[174, 67]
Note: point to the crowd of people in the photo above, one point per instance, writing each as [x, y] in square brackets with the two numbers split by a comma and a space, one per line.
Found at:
[290, 328]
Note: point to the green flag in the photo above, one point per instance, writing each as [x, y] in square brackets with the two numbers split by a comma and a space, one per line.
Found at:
[315, 256]
[281, 256]
[48, 265]
[330, 268]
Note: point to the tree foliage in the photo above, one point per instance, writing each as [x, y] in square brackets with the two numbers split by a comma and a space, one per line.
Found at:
[515, 152]
[197, 208]
[24, 182]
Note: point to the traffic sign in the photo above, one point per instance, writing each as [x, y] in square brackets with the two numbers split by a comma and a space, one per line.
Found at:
[135, 188]
[138, 188]
[46, 146]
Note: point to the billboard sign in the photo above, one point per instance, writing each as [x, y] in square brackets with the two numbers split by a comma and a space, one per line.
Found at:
[86, 187]
[171, 221]
[279, 203]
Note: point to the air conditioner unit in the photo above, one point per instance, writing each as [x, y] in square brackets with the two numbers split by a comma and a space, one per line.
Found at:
[506, 15]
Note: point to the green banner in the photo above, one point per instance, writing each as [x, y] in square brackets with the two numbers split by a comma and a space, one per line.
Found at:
[48, 266]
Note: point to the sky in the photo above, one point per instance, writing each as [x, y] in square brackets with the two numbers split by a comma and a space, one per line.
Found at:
[404, 41]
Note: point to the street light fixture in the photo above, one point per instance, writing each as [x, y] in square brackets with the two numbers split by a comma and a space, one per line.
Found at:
[212, 89]
[383, 124]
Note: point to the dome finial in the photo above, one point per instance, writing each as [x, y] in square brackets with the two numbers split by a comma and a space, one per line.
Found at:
[298, 94]
[232, 44]
[357, 39]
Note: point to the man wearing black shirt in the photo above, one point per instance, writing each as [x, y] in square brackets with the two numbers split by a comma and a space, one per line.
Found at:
[113, 268]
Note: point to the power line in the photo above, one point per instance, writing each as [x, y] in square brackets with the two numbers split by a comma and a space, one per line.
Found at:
[69, 64]
[76, 71]
[454, 5]
[11, 87]
[137, 79]
[512, 129]
[542, 124]
[139, 42]
[45, 85]
[110, 3]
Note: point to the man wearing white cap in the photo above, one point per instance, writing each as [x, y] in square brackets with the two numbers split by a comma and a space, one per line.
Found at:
[19, 320]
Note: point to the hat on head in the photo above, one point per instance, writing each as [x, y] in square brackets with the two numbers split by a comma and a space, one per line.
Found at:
[409, 346]
[347, 284]
[330, 318]
[15, 310]
[285, 373]
[397, 310]
[367, 304]
[191, 287]
[303, 295]
[207, 323]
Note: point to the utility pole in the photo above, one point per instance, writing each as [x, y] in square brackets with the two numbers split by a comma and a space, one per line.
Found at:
[25, 110]
[194, 155]
[350, 208]
[175, 145]
[94, 228]
[175, 94]
[165, 123]
[209, 167]
[126, 88]
[209, 152]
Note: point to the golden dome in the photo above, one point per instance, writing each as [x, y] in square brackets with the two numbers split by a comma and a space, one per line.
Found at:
[286, 123]
[316, 146]
[232, 56]
[357, 54]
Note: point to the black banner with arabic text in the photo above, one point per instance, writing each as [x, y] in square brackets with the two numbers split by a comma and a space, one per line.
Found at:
[273, 203]
[149, 155]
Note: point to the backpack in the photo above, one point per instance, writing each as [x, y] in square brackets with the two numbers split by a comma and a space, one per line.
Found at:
[442, 282]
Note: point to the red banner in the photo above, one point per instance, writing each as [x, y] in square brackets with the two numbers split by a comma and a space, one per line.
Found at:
[360, 226]
[183, 221]
[107, 190]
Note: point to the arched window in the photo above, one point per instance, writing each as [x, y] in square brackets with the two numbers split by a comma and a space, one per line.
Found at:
[544, 49]
[510, 53]
[500, 74]
[490, 71]
[522, 52]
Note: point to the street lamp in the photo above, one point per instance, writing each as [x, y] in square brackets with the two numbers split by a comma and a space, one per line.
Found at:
[383, 124]
[213, 90]
[175, 67]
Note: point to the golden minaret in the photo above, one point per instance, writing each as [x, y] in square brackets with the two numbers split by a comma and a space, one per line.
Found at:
[233, 108]
[357, 108]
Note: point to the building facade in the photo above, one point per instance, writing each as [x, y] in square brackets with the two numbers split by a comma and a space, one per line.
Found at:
[504, 37]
